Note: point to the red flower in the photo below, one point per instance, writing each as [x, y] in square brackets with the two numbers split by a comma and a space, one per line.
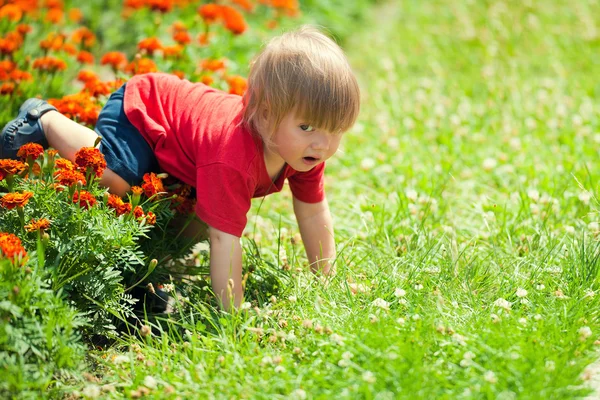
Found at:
[117, 204]
[30, 150]
[13, 200]
[152, 185]
[151, 218]
[210, 12]
[67, 177]
[40, 225]
[141, 66]
[90, 157]
[85, 57]
[84, 199]
[234, 20]
[11, 247]
[138, 212]
[150, 45]
[115, 59]
[11, 167]
[237, 84]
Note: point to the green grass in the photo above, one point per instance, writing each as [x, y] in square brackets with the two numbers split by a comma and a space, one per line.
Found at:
[471, 177]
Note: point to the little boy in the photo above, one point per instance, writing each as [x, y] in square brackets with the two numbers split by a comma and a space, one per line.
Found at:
[302, 96]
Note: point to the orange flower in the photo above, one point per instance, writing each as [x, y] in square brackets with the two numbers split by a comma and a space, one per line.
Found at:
[79, 106]
[204, 39]
[50, 64]
[18, 76]
[212, 65]
[210, 12]
[54, 15]
[207, 80]
[7, 88]
[11, 247]
[163, 6]
[30, 150]
[92, 158]
[287, 5]
[75, 15]
[151, 218]
[141, 66]
[152, 185]
[135, 4]
[172, 51]
[8, 46]
[117, 204]
[182, 37]
[23, 29]
[138, 212]
[115, 59]
[83, 36]
[63, 163]
[234, 20]
[11, 167]
[69, 48]
[137, 190]
[12, 200]
[237, 84]
[86, 76]
[84, 198]
[150, 45]
[67, 177]
[12, 12]
[40, 225]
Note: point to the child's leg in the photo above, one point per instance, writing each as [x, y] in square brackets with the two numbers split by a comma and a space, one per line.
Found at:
[67, 136]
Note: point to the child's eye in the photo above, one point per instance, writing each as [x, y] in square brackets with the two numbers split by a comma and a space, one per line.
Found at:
[307, 128]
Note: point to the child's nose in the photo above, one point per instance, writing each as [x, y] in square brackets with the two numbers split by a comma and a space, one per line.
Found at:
[321, 143]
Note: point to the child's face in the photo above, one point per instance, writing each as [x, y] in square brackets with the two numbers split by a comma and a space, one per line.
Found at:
[302, 146]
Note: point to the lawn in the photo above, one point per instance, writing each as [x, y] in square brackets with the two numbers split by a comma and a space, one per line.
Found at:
[466, 220]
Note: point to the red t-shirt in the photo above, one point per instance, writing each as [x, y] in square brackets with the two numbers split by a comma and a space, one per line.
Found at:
[197, 137]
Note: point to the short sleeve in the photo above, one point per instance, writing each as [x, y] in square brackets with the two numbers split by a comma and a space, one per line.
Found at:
[309, 186]
[223, 197]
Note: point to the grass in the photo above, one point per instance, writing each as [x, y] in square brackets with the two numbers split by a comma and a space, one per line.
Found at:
[466, 218]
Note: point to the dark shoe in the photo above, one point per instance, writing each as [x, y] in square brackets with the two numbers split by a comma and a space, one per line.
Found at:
[26, 128]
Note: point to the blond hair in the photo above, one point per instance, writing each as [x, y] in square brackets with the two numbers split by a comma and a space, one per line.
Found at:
[304, 72]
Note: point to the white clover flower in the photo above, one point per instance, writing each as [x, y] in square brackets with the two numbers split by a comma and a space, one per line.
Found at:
[120, 359]
[469, 355]
[369, 377]
[379, 302]
[584, 333]
[550, 365]
[299, 394]
[416, 317]
[418, 286]
[292, 299]
[589, 293]
[411, 194]
[523, 321]
[399, 292]
[347, 355]
[585, 197]
[490, 377]
[521, 292]
[279, 369]
[168, 287]
[489, 164]
[245, 306]
[538, 317]
[594, 226]
[91, 391]
[150, 382]
[367, 163]
[502, 303]
[569, 229]
[540, 286]
[495, 318]
[400, 321]
[337, 339]
[533, 194]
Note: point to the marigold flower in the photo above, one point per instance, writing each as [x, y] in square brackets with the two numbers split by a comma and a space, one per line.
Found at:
[234, 20]
[50, 64]
[204, 39]
[207, 80]
[174, 51]
[54, 15]
[7, 88]
[152, 184]
[92, 158]
[68, 177]
[78, 106]
[151, 218]
[8, 46]
[163, 6]
[69, 48]
[53, 41]
[212, 65]
[11, 247]
[75, 15]
[12, 12]
[150, 45]
[210, 12]
[141, 66]
[183, 205]
[137, 190]
[182, 37]
[86, 76]
[135, 4]
[13, 200]
[63, 163]
[30, 150]
[24, 29]
[138, 212]
[38, 225]
[237, 84]
[83, 36]
[85, 57]
[11, 167]
[115, 59]
[84, 198]
[116, 203]
[18, 76]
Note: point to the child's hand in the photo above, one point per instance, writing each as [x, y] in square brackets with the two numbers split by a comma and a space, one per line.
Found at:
[226, 268]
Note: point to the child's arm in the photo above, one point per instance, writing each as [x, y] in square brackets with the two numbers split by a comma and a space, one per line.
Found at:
[226, 265]
[316, 229]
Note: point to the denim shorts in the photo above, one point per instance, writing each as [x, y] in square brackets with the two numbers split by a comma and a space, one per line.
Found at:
[126, 151]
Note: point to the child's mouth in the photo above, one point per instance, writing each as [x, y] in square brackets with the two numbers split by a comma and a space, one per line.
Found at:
[310, 160]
